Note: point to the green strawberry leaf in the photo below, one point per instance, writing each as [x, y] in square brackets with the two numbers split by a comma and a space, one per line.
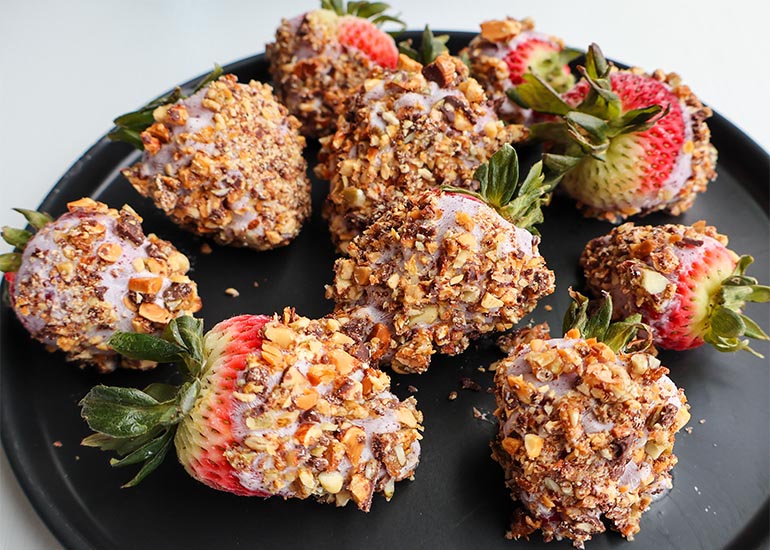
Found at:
[187, 395]
[337, 6]
[499, 176]
[597, 66]
[753, 330]
[367, 10]
[430, 48]
[727, 323]
[17, 238]
[592, 126]
[597, 324]
[145, 347]
[153, 462]
[535, 93]
[146, 451]
[10, 262]
[208, 79]
[161, 392]
[121, 445]
[122, 412]
[577, 313]
[38, 220]
[187, 332]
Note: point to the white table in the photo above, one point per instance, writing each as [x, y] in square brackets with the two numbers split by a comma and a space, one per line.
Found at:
[68, 68]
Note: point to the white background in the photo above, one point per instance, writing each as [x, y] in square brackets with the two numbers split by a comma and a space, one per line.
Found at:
[67, 68]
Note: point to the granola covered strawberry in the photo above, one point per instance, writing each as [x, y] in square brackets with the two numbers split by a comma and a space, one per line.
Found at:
[683, 280]
[509, 48]
[637, 142]
[407, 131]
[445, 267]
[225, 162]
[586, 430]
[320, 57]
[275, 406]
[92, 272]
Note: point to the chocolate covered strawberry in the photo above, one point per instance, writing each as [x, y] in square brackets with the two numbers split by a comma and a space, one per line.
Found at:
[408, 131]
[636, 142]
[506, 50]
[587, 425]
[320, 57]
[447, 266]
[275, 406]
[90, 272]
[224, 162]
[683, 280]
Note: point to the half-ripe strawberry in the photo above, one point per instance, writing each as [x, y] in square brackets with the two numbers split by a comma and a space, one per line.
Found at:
[630, 142]
[369, 39]
[683, 280]
[280, 406]
[505, 51]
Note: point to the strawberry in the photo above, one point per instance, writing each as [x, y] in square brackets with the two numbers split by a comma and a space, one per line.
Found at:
[224, 162]
[634, 143]
[407, 131]
[448, 265]
[506, 50]
[369, 39]
[586, 427]
[320, 57]
[89, 273]
[683, 280]
[277, 406]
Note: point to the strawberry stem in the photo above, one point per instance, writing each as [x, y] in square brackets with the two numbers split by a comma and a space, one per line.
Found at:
[430, 48]
[728, 328]
[139, 425]
[619, 336]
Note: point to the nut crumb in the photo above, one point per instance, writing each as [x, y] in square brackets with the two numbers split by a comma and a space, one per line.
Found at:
[702, 421]
[452, 396]
[548, 307]
[57, 444]
[206, 248]
[232, 292]
[256, 284]
[412, 389]
[468, 384]
[481, 369]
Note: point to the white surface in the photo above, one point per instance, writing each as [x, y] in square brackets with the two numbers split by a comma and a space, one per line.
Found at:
[68, 68]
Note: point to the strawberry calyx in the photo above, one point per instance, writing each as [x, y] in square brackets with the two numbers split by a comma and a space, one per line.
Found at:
[518, 202]
[728, 328]
[129, 126]
[371, 11]
[139, 425]
[588, 128]
[18, 238]
[594, 320]
[431, 47]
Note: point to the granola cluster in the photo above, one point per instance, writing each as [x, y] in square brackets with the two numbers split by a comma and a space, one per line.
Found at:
[584, 433]
[693, 169]
[487, 54]
[92, 272]
[406, 131]
[641, 266]
[313, 420]
[227, 162]
[313, 72]
[438, 271]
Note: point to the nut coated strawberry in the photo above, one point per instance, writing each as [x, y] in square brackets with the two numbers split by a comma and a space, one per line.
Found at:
[509, 48]
[683, 280]
[275, 406]
[91, 272]
[320, 57]
[587, 425]
[635, 143]
[225, 162]
[408, 131]
[448, 265]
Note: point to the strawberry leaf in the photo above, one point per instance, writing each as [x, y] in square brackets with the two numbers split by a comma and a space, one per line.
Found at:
[499, 176]
[596, 64]
[637, 120]
[122, 412]
[145, 452]
[17, 238]
[153, 462]
[10, 262]
[726, 323]
[535, 93]
[38, 220]
[187, 332]
[430, 48]
[145, 347]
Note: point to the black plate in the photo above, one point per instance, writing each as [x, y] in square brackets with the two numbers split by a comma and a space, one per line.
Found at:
[721, 485]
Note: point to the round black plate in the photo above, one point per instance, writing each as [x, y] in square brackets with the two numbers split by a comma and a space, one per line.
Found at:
[457, 500]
